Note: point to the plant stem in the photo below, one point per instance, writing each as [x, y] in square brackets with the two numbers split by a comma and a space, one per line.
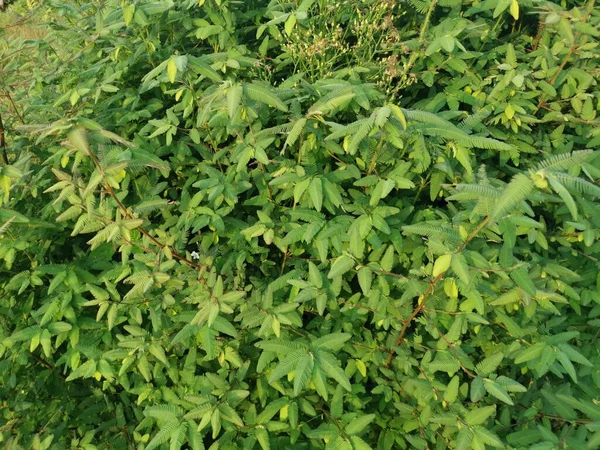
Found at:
[430, 291]
[128, 215]
[415, 55]
[10, 99]
[373, 162]
[3, 143]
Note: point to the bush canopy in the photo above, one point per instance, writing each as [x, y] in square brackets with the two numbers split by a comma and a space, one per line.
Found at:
[330, 224]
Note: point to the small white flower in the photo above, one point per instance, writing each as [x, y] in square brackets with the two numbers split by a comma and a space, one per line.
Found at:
[195, 255]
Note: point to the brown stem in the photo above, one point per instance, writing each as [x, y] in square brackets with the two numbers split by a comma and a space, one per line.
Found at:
[562, 65]
[74, 57]
[430, 291]
[141, 230]
[473, 233]
[588, 10]
[10, 99]
[373, 163]
[454, 352]
[538, 36]
[24, 19]
[567, 57]
[46, 364]
[127, 214]
[385, 272]
[300, 152]
[414, 314]
[3, 143]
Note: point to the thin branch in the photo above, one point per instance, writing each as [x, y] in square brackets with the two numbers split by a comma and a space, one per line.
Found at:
[415, 55]
[24, 19]
[3, 143]
[127, 214]
[46, 364]
[66, 63]
[454, 352]
[10, 99]
[414, 314]
[430, 291]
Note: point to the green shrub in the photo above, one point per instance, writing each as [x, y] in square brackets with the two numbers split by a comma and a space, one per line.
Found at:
[231, 225]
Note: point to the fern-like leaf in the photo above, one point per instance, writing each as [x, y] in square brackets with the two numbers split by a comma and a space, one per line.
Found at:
[261, 94]
[331, 366]
[577, 184]
[273, 131]
[234, 97]
[485, 196]
[342, 131]
[515, 192]
[164, 412]
[148, 159]
[295, 132]
[564, 194]
[465, 192]
[510, 385]
[331, 342]
[488, 143]
[178, 437]
[428, 118]
[163, 435]
[381, 116]
[6, 225]
[331, 101]
[194, 437]
[71, 213]
[489, 364]
[464, 439]
[465, 139]
[304, 369]
[358, 137]
[435, 230]
[151, 205]
[421, 6]
[289, 363]
[280, 345]
[566, 160]
[474, 121]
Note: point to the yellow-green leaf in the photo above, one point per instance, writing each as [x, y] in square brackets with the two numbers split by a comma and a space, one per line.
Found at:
[171, 70]
[509, 112]
[362, 368]
[442, 264]
[128, 12]
[514, 9]
[289, 24]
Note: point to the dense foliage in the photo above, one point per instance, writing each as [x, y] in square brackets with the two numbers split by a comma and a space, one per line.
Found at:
[308, 224]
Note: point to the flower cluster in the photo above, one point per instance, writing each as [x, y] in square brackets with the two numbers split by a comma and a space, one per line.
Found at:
[349, 34]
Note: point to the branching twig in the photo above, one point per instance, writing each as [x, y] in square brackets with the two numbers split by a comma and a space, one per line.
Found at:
[12, 102]
[430, 291]
[127, 213]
